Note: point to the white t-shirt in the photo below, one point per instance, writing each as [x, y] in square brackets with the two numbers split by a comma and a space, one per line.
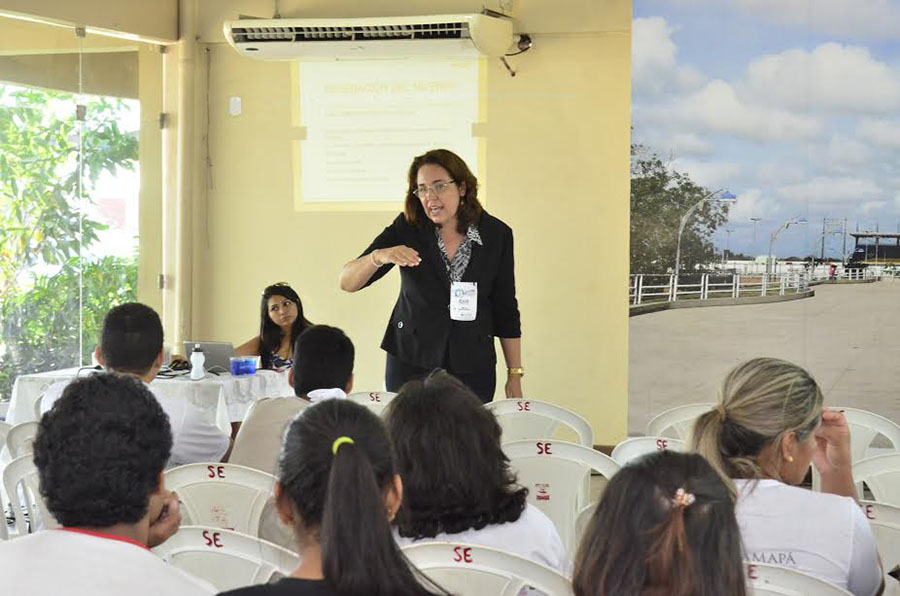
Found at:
[818, 533]
[532, 536]
[56, 562]
[195, 438]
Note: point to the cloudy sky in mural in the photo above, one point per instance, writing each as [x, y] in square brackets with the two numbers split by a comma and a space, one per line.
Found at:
[792, 105]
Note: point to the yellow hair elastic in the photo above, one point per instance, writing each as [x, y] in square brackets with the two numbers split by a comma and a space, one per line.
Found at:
[338, 442]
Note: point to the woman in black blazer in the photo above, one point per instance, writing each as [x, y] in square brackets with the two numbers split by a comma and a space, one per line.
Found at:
[457, 288]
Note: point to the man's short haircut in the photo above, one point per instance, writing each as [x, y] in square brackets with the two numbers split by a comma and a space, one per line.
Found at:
[100, 451]
[132, 338]
[323, 359]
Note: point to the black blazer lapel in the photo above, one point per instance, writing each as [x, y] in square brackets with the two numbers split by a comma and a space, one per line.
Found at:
[475, 267]
[429, 239]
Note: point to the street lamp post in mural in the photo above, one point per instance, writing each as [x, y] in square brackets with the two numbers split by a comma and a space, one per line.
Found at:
[794, 221]
[726, 197]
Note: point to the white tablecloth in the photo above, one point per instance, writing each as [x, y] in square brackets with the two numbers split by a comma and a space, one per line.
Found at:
[225, 398]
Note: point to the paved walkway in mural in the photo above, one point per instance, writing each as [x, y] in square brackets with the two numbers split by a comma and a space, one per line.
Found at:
[848, 336]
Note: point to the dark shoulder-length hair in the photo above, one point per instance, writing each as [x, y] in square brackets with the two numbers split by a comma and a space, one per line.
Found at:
[270, 334]
[337, 488]
[470, 208]
[455, 476]
[646, 538]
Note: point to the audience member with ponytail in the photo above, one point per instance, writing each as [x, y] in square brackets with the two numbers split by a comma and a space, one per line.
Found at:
[664, 526]
[338, 489]
[761, 437]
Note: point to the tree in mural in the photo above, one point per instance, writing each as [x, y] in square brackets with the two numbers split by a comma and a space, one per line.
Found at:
[43, 230]
[659, 197]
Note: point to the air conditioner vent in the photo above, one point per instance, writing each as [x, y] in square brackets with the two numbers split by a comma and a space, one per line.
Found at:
[301, 34]
[382, 37]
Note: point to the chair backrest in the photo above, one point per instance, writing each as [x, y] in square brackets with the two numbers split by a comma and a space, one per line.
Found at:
[634, 447]
[470, 570]
[523, 419]
[4, 431]
[226, 559]
[20, 480]
[881, 474]
[885, 522]
[865, 426]
[376, 401]
[258, 441]
[557, 475]
[766, 580]
[20, 439]
[222, 495]
[37, 407]
[677, 422]
[582, 520]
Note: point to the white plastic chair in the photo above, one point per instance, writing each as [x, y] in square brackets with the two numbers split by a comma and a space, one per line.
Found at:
[766, 580]
[864, 426]
[635, 447]
[885, 522]
[677, 422]
[20, 480]
[470, 570]
[376, 401]
[226, 559]
[882, 475]
[582, 520]
[555, 473]
[523, 419]
[223, 495]
[4, 432]
[37, 407]
[20, 439]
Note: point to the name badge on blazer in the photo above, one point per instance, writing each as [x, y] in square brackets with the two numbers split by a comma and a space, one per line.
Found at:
[463, 300]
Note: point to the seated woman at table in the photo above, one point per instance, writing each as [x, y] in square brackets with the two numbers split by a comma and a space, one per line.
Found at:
[281, 321]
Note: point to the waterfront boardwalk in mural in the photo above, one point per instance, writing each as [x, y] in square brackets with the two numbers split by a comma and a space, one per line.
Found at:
[847, 336]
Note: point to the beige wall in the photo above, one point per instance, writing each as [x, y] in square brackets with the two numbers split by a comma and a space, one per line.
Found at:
[155, 20]
[557, 140]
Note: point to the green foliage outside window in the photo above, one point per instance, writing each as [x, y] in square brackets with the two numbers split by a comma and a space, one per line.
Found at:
[45, 238]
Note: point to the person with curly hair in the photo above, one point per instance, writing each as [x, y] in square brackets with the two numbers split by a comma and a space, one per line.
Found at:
[100, 454]
[458, 486]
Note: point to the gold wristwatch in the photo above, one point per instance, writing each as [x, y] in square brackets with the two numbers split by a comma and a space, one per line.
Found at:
[516, 371]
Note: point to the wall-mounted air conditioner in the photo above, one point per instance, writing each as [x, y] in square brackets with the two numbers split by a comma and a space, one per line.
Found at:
[361, 38]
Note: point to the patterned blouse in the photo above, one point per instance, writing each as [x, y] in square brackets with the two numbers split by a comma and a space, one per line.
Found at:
[457, 267]
[279, 363]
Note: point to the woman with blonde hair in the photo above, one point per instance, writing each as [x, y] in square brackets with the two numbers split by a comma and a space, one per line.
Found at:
[761, 437]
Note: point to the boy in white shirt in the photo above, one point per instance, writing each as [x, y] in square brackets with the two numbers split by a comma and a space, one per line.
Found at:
[100, 455]
[131, 342]
[322, 369]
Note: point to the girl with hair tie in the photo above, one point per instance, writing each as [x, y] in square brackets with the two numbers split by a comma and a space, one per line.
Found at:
[338, 490]
[664, 526]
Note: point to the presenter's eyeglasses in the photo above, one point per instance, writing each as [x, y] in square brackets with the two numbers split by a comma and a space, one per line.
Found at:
[435, 189]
